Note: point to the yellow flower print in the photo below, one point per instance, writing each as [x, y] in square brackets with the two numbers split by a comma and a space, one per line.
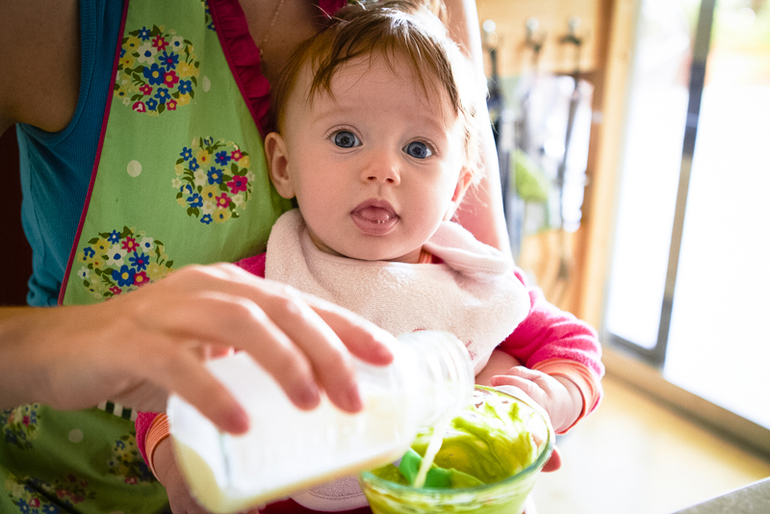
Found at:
[209, 193]
[127, 61]
[102, 245]
[245, 162]
[222, 215]
[185, 70]
[179, 169]
[181, 201]
[183, 100]
[155, 271]
[132, 43]
[97, 263]
[204, 158]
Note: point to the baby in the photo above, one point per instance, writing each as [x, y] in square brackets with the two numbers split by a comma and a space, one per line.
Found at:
[376, 141]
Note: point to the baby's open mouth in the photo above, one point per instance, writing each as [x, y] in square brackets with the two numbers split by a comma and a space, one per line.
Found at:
[374, 217]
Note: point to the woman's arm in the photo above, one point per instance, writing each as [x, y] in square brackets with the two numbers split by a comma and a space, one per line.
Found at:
[136, 348]
[481, 211]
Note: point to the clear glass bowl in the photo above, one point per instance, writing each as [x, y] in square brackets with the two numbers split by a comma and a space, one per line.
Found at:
[507, 496]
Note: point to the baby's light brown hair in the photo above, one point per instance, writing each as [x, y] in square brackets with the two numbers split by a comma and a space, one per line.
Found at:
[389, 30]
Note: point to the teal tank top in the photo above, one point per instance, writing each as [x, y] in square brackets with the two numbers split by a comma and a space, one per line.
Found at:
[56, 167]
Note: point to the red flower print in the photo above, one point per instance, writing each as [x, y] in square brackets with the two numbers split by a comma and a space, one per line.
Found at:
[34, 502]
[223, 201]
[146, 90]
[236, 155]
[129, 244]
[78, 499]
[160, 43]
[237, 184]
[170, 78]
[139, 107]
[140, 278]
[25, 420]
[131, 480]
[171, 105]
[61, 493]
[116, 290]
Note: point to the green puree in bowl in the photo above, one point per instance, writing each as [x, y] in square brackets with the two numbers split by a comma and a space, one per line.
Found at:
[488, 442]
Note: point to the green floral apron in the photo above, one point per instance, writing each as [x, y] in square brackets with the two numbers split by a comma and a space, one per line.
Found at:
[181, 178]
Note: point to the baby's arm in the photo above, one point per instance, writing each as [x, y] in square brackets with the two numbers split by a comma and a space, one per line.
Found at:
[560, 360]
[499, 363]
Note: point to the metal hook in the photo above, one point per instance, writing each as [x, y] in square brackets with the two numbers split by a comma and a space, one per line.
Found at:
[536, 44]
[490, 36]
[572, 25]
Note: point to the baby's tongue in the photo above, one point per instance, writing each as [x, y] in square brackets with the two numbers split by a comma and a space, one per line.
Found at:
[374, 214]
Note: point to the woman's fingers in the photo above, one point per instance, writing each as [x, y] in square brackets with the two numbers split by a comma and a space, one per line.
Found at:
[303, 342]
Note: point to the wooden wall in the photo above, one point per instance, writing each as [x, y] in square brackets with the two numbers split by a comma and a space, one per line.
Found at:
[587, 249]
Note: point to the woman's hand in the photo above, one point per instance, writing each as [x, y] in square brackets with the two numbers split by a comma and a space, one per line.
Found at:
[138, 347]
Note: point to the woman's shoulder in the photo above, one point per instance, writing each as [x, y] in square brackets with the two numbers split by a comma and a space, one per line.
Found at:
[39, 56]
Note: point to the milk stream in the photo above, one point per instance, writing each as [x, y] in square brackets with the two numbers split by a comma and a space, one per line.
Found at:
[434, 445]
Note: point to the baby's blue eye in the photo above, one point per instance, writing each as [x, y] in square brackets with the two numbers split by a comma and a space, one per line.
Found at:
[418, 150]
[345, 139]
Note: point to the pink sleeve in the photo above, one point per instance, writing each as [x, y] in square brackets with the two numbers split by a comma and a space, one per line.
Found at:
[142, 424]
[254, 265]
[548, 332]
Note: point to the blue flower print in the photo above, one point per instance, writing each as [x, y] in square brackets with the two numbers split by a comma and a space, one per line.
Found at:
[185, 86]
[152, 104]
[154, 74]
[144, 34]
[215, 176]
[195, 200]
[208, 141]
[170, 61]
[162, 95]
[10, 435]
[114, 237]
[23, 505]
[89, 252]
[186, 153]
[187, 189]
[194, 164]
[206, 218]
[50, 509]
[122, 52]
[124, 277]
[139, 261]
[222, 158]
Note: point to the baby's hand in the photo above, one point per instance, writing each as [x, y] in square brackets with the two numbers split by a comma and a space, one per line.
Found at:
[179, 497]
[559, 396]
[170, 476]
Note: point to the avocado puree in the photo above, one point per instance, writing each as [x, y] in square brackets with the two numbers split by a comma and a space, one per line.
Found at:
[488, 441]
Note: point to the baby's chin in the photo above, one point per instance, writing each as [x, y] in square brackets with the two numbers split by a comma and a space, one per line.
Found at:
[375, 255]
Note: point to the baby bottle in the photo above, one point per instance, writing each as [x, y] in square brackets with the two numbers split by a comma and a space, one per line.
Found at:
[287, 449]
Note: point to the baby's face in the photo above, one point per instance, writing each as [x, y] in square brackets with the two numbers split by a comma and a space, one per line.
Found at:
[375, 167]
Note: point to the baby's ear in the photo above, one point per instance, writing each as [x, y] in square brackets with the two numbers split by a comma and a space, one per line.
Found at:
[278, 164]
[463, 183]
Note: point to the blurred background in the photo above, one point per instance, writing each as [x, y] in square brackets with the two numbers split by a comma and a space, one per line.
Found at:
[633, 138]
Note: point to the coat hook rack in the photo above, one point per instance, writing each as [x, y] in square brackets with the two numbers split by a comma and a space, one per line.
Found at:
[534, 39]
[572, 27]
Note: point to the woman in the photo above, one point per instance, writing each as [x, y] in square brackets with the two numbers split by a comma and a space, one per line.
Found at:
[159, 183]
